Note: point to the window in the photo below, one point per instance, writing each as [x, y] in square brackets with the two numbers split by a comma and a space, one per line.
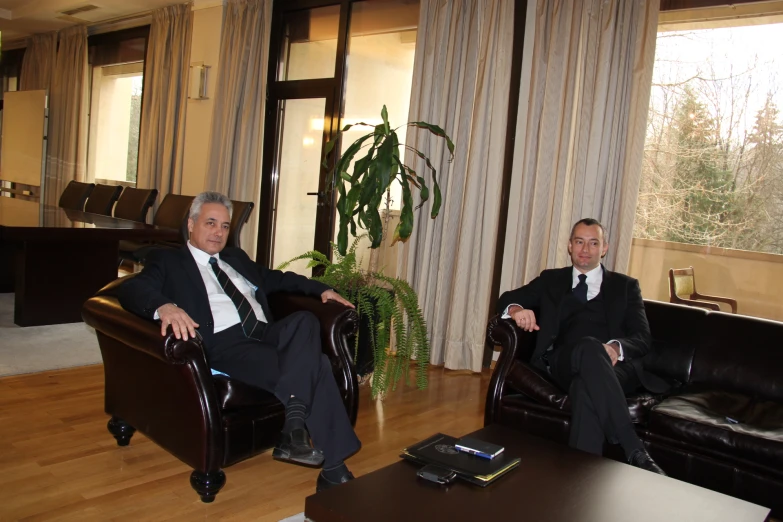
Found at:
[117, 82]
[115, 114]
[711, 193]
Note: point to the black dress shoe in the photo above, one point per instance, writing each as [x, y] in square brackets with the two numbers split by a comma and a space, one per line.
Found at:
[323, 483]
[642, 459]
[296, 447]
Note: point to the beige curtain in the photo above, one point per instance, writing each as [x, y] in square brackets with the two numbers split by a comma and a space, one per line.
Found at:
[38, 62]
[66, 155]
[162, 132]
[461, 82]
[234, 160]
[583, 135]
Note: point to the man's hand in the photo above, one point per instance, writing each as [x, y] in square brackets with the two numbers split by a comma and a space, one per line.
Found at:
[525, 319]
[614, 352]
[180, 322]
[331, 295]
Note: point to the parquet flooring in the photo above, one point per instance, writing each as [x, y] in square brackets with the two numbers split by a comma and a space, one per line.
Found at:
[59, 462]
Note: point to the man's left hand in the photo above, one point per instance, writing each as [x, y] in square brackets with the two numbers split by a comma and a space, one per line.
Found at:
[613, 351]
[331, 295]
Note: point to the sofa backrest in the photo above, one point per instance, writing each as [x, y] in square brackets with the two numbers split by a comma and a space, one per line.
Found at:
[741, 353]
[676, 332]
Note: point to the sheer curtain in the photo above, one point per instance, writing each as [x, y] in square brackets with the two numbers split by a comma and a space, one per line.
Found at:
[581, 154]
[461, 82]
[162, 129]
[66, 156]
[234, 160]
[38, 62]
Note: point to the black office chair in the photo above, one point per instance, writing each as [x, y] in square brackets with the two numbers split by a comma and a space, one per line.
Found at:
[102, 199]
[239, 216]
[75, 195]
[172, 213]
[134, 203]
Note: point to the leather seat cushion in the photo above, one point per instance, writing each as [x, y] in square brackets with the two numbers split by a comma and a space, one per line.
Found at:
[234, 395]
[702, 419]
[530, 382]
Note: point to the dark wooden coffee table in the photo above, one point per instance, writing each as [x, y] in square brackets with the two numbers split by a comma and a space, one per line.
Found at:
[552, 483]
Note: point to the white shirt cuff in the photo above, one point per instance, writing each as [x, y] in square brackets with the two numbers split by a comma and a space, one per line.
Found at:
[622, 355]
[505, 312]
[157, 315]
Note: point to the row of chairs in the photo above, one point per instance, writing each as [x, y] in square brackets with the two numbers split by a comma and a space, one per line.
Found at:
[133, 204]
[109, 200]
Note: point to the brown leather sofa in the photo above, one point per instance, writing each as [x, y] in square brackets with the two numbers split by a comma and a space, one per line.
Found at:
[719, 427]
[163, 387]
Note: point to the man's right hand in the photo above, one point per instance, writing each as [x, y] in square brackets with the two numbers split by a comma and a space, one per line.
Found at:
[181, 323]
[524, 318]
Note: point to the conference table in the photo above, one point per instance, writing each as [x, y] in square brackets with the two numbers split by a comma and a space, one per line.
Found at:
[54, 259]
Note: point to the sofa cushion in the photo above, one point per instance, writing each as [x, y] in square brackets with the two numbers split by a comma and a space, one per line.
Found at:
[707, 420]
[233, 394]
[530, 382]
[740, 354]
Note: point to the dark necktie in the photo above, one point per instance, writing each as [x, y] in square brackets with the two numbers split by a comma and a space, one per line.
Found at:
[252, 327]
[580, 290]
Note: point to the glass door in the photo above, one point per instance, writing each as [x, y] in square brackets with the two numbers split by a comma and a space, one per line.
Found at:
[296, 210]
[297, 181]
[340, 59]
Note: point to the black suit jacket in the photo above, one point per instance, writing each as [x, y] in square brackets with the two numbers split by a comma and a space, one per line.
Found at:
[625, 316]
[172, 276]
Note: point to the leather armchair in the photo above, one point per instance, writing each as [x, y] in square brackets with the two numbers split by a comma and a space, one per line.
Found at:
[164, 388]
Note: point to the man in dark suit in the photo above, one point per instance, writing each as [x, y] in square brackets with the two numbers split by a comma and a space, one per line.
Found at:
[592, 336]
[221, 293]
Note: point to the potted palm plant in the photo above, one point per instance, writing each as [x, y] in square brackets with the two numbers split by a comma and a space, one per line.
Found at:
[362, 184]
[390, 309]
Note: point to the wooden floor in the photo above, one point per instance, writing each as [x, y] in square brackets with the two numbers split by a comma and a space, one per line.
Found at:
[58, 461]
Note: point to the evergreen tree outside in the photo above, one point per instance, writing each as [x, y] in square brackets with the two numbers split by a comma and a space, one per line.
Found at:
[712, 175]
[133, 134]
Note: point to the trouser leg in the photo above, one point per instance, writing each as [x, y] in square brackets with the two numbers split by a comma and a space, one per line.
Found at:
[289, 362]
[597, 392]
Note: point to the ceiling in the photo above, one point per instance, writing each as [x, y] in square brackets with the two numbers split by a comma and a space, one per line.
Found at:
[21, 18]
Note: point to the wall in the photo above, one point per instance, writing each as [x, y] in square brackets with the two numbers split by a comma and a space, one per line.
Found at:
[754, 279]
[205, 47]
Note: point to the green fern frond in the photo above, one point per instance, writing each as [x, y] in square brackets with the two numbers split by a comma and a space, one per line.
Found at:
[397, 329]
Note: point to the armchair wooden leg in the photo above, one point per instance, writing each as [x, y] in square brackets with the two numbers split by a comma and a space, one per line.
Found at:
[207, 485]
[121, 430]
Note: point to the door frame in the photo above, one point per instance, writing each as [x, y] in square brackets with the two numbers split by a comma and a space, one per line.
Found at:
[330, 88]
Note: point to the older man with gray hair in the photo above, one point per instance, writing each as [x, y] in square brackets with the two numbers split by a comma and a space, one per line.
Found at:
[221, 293]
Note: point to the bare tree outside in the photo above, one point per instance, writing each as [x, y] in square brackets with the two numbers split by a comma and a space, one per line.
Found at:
[713, 161]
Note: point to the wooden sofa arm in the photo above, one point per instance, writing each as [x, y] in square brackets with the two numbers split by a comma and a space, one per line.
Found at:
[698, 304]
[729, 301]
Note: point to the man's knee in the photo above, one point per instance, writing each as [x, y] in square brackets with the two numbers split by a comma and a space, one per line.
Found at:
[589, 349]
[305, 319]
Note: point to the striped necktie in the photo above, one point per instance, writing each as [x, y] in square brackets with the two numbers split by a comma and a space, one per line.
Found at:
[252, 327]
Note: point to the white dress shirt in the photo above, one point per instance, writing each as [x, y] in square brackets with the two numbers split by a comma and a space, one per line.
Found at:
[594, 279]
[224, 311]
